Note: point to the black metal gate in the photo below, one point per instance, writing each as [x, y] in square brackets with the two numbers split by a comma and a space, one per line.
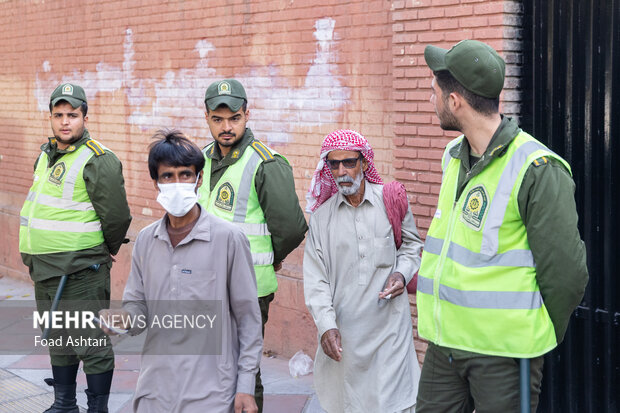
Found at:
[572, 103]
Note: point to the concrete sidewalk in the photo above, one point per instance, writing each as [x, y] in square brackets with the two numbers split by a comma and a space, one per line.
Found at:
[23, 390]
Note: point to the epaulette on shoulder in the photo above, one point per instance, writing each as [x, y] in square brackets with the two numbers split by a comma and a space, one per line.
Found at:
[262, 151]
[208, 149]
[94, 146]
[543, 160]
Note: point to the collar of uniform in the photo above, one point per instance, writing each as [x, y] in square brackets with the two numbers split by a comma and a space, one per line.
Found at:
[368, 195]
[201, 230]
[52, 146]
[240, 146]
[505, 133]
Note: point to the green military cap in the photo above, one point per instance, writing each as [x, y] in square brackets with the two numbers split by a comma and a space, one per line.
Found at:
[229, 92]
[474, 64]
[73, 94]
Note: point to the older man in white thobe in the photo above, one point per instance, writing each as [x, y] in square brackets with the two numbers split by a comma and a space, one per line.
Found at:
[354, 279]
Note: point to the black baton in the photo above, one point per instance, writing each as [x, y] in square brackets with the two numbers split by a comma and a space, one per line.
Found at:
[61, 286]
[524, 370]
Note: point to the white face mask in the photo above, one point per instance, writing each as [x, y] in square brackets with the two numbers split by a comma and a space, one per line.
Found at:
[178, 198]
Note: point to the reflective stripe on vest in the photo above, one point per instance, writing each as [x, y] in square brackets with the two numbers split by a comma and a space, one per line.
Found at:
[243, 195]
[253, 229]
[507, 182]
[61, 226]
[445, 161]
[262, 258]
[75, 224]
[477, 288]
[245, 213]
[497, 209]
[241, 209]
[66, 202]
[241, 205]
[72, 174]
[62, 203]
[499, 300]
[467, 258]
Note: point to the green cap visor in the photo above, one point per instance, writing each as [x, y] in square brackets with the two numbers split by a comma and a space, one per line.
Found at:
[75, 103]
[435, 58]
[233, 103]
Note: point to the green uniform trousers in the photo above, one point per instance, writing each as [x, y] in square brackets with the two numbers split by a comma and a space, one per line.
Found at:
[488, 384]
[263, 303]
[85, 290]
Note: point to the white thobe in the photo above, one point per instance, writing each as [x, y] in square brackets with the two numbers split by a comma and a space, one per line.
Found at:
[349, 255]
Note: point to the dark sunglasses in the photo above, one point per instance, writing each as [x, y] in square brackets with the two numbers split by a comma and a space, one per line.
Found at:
[347, 163]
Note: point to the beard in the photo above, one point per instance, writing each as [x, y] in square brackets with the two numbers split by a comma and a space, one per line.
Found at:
[232, 139]
[447, 120]
[349, 190]
[68, 141]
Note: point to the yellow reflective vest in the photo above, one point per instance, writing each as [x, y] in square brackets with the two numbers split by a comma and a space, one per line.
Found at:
[234, 199]
[57, 215]
[477, 288]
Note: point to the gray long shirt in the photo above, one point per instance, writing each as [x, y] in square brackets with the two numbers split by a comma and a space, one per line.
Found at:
[212, 263]
[349, 255]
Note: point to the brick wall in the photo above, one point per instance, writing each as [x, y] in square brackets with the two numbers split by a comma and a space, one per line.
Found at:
[309, 67]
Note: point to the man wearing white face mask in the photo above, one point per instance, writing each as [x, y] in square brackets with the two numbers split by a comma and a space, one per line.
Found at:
[190, 256]
[178, 198]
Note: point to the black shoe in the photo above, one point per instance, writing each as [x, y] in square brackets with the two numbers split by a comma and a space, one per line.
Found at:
[64, 398]
[97, 403]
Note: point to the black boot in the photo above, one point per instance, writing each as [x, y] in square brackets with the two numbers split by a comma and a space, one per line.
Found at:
[64, 398]
[97, 403]
[98, 391]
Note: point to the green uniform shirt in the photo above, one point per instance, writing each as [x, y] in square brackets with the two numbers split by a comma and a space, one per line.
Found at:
[275, 188]
[547, 206]
[106, 189]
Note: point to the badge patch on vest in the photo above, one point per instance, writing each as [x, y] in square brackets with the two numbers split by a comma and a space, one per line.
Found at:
[58, 172]
[474, 208]
[225, 197]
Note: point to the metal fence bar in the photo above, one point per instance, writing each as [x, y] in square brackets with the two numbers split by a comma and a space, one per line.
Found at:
[571, 102]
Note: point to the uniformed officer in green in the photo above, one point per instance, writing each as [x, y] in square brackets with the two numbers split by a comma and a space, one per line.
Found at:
[73, 221]
[252, 186]
[503, 265]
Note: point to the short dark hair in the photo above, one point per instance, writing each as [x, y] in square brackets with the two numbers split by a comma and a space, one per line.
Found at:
[172, 147]
[83, 107]
[448, 84]
[244, 106]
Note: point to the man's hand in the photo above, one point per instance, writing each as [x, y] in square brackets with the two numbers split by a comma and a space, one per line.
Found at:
[277, 267]
[118, 318]
[394, 286]
[330, 342]
[245, 403]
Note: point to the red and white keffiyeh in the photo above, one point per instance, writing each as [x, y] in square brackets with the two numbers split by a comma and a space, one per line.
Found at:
[323, 185]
